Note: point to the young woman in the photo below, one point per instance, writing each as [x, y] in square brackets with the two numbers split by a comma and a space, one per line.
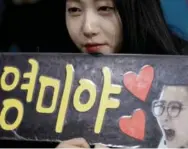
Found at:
[119, 26]
[107, 26]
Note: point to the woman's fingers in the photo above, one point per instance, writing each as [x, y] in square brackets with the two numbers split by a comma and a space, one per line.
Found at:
[78, 143]
[74, 143]
[66, 146]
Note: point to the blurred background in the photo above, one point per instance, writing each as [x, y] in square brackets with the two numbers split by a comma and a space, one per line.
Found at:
[31, 25]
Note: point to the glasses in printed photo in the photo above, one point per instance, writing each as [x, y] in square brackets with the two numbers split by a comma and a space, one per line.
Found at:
[173, 108]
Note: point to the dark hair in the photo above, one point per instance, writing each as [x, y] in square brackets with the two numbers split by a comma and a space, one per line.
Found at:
[144, 28]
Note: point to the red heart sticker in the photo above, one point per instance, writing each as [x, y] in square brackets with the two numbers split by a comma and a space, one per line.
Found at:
[139, 85]
[134, 126]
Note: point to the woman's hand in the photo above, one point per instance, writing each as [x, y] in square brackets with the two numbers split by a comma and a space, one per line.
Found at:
[74, 143]
[77, 143]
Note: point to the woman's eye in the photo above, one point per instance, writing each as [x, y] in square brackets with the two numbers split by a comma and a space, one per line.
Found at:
[74, 11]
[105, 9]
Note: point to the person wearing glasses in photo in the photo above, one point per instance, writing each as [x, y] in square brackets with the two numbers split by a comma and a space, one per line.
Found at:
[171, 112]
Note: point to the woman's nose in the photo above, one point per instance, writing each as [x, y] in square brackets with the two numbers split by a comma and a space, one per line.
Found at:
[90, 25]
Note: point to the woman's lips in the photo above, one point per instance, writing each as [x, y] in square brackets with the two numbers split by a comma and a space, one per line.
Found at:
[90, 48]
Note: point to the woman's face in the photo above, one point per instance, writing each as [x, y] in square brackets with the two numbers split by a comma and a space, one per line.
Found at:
[94, 25]
[172, 114]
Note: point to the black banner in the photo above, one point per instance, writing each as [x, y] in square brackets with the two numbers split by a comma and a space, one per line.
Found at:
[129, 100]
